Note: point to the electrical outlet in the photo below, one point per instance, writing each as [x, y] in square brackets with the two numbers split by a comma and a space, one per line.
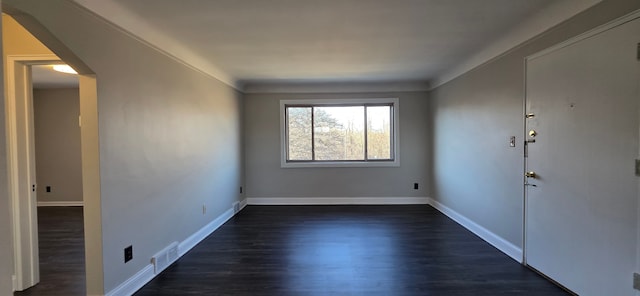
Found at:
[204, 209]
[240, 189]
[636, 281]
[415, 186]
[128, 254]
[48, 188]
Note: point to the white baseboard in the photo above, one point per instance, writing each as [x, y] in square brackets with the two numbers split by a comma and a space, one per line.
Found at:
[14, 282]
[60, 203]
[201, 234]
[501, 244]
[243, 203]
[145, 275]
[134, 283]
[337, 200]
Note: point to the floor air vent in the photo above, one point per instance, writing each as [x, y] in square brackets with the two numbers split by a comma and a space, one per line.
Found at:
[164, 258]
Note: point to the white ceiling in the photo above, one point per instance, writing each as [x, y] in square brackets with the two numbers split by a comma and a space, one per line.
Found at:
[276, 41]
[43, 76]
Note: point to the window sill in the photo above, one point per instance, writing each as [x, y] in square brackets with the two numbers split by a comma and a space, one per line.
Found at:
[341, 164]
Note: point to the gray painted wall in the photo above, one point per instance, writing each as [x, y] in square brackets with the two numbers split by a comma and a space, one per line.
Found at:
[169, 138]
[6, 249]
[474, 171]
[57, 140]
[265, 177]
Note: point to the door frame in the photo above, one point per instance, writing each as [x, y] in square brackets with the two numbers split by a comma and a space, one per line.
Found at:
[21, 171]
[21, 163]
[595, 31]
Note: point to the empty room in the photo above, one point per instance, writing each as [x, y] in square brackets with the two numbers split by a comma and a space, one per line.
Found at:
[340, 147]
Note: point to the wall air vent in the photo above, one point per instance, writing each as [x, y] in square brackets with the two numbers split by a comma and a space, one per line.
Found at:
[164, 258]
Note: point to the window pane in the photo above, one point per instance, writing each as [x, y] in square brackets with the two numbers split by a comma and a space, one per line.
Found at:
[379, 132]
[339, 133]
[299, 133]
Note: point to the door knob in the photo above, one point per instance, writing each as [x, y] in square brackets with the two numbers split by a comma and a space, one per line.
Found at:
[532, 133]
[530, 174]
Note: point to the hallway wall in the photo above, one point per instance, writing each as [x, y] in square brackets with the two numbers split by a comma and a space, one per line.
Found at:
[169, 138]
[57, 140]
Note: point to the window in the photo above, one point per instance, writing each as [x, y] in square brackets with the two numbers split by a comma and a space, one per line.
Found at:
[339, 132]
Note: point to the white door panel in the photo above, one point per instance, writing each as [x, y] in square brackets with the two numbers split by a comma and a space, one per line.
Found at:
[582, 214]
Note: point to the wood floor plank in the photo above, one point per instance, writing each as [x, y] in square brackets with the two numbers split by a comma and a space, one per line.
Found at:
[61, 251]
[345, 250]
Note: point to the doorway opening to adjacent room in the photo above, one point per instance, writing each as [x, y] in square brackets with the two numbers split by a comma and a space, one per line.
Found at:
[21, 156]
[58, 177]
[23, 146]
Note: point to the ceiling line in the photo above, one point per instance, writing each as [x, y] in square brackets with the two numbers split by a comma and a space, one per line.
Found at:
[210, 71]
[542, 21]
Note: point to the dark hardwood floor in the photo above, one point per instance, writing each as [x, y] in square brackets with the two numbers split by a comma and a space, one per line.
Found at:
[345, 250]
[309, 250]
[61, 246]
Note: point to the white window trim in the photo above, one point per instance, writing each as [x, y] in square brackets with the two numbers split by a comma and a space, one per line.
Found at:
[340, 164]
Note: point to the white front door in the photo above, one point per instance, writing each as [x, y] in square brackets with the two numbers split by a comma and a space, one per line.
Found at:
[582, 198]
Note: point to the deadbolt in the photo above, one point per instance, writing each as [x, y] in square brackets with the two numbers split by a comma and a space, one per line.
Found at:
[530, 174]
[529, 115]
[532, 133]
